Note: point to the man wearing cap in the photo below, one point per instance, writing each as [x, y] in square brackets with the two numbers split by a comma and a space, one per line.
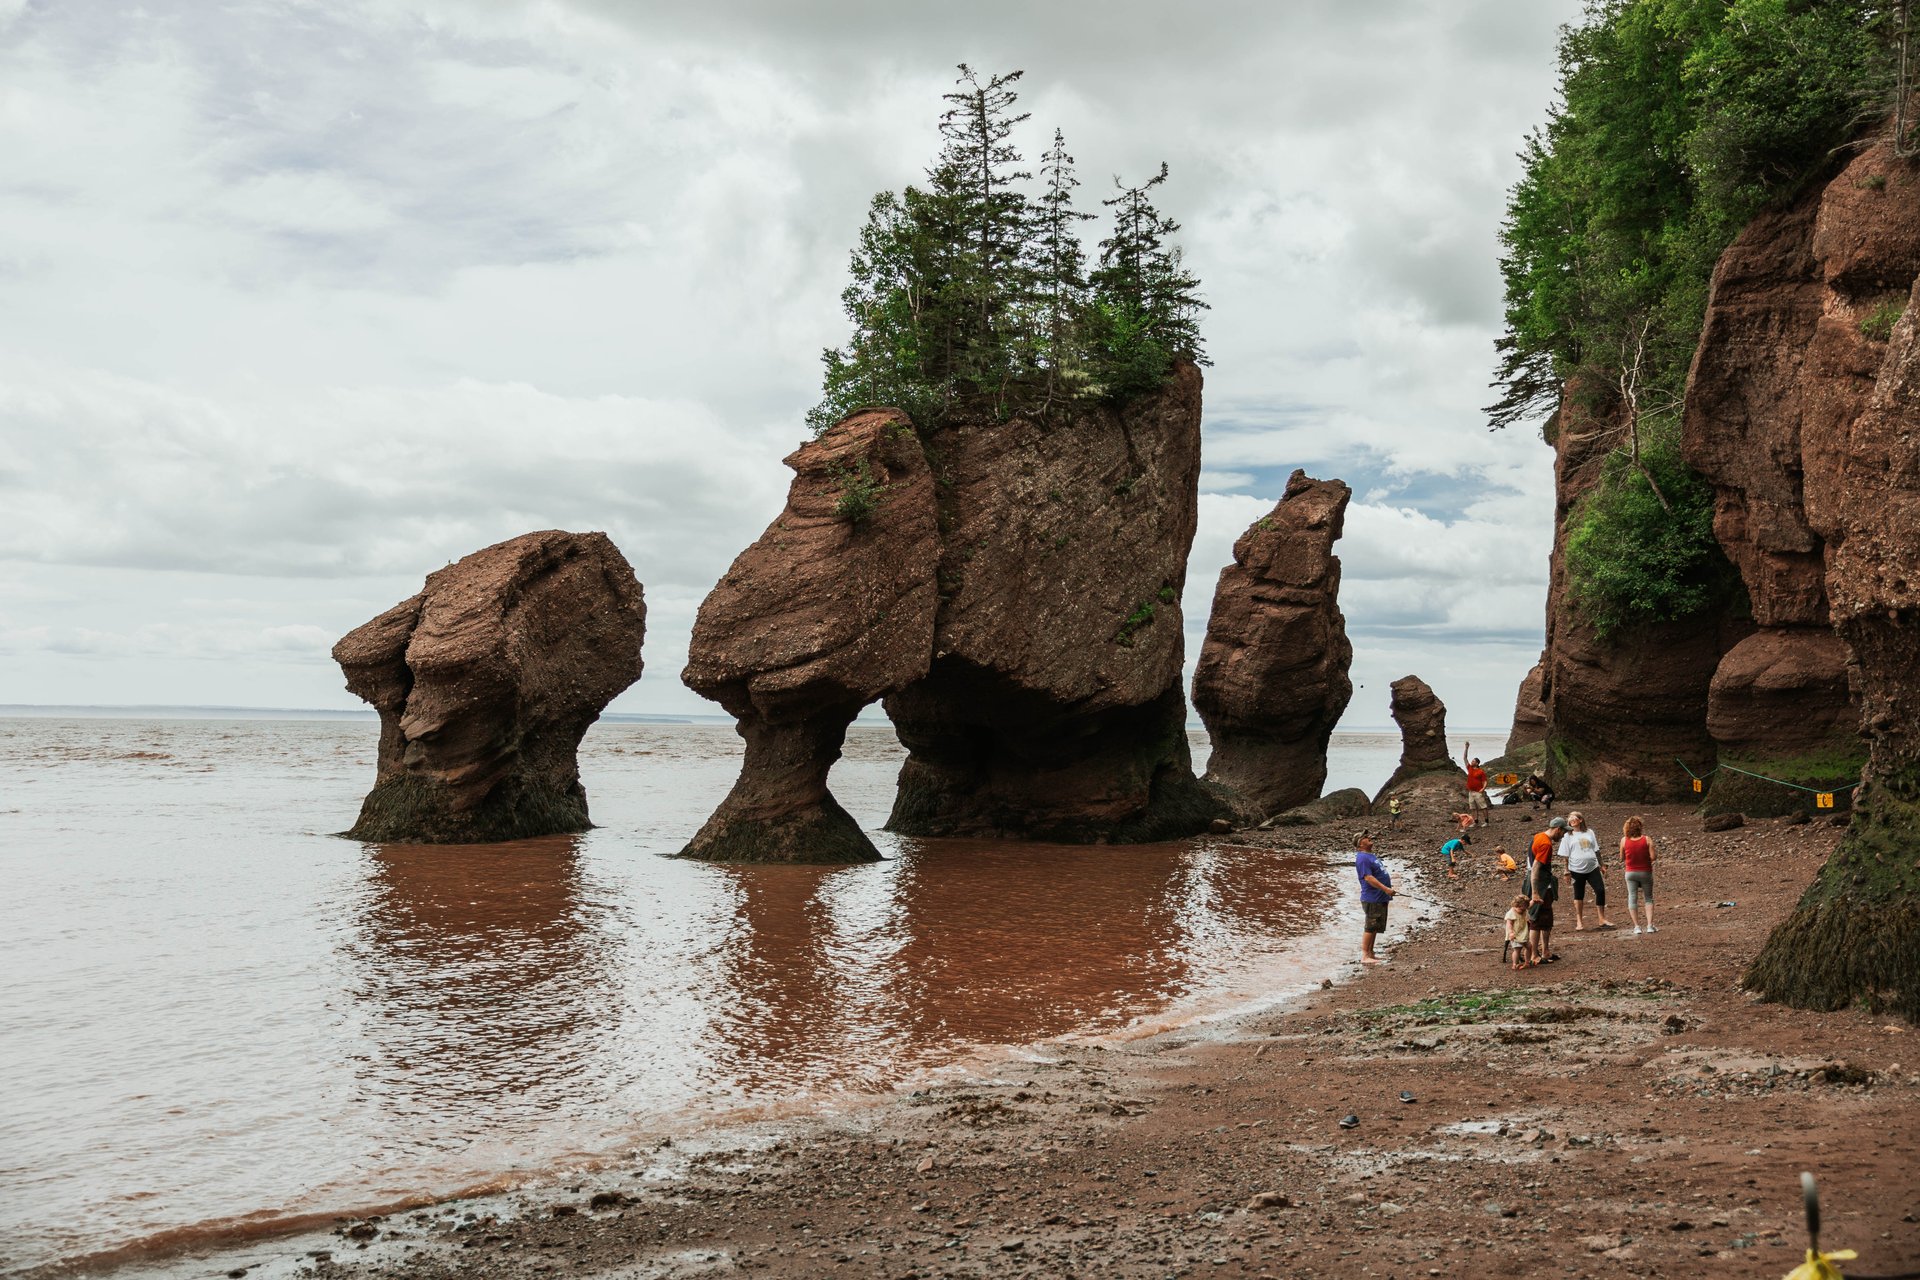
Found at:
[1376, 889]
[1544, 887]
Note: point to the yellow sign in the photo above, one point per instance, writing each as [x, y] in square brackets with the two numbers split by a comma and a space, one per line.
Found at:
[1505, 779]
[1698, 785]
[1823, 800]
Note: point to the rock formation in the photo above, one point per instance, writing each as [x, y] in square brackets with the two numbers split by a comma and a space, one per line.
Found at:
[1014, 595]
[821, 616]
[1053, 709]
[1272, 682]
[1621, 711]
[1530, 709]
[1855, 936]
[1786, 365]
[1427, 772]
[485, 683]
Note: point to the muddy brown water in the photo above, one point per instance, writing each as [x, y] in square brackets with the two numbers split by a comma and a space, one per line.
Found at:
[217, 1019]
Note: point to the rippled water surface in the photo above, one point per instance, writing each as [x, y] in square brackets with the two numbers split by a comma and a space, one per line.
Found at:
[215, 1015]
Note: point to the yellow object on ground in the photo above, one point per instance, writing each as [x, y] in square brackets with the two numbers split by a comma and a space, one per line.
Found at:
[1819, 1266]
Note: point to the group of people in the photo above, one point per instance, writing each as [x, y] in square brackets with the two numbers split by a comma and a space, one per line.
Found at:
[1529, 921]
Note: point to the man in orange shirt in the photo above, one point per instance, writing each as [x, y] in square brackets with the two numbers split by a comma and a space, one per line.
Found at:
[1478, 802]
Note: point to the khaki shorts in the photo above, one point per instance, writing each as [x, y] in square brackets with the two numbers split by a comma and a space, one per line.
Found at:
[1478, 800]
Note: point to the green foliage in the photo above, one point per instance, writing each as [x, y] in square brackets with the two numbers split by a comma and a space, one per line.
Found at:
[968, 293]
[1679, 119]
[1633, 559]
[1142, 616]
[1877, 324]
[861, 493]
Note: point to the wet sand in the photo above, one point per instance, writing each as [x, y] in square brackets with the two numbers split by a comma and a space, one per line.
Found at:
[1627, 1111]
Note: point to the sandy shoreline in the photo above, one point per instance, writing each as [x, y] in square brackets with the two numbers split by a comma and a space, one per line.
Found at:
[1627, 1111]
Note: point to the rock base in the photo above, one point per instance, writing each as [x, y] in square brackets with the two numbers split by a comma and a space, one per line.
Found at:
[403, 809]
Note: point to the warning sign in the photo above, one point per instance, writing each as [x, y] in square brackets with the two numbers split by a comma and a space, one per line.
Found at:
[1699, 785]
[1823, 799]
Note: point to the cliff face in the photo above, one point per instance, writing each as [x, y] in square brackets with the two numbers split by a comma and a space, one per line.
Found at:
[1620, 711]
[1530, 708]
[1272, 681]
[1855, 937]
[1787, 364]
[1015, 598]
[1427, 775]
[485, 683]
[819, 617]
[1053, 707]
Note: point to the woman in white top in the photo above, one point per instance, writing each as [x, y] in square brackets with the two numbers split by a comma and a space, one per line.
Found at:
[1582, 850]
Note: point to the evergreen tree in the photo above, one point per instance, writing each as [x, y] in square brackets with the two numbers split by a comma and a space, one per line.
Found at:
[1146, 304]
[1061, 272]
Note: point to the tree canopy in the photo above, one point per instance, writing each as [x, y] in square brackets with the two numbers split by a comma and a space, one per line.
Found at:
[971, 291]
[1678, 121]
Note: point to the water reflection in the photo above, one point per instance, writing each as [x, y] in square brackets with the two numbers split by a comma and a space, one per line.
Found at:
[488, 970]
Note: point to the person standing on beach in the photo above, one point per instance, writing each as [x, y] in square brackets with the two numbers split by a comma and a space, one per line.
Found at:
[1478, 802]
[1376, 890]
[1582, 847]
[1636, 856]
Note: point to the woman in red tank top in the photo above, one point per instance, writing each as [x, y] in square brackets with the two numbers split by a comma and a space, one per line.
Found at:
[1636, 856]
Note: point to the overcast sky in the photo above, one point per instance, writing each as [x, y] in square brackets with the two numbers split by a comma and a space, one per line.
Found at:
[302, 301]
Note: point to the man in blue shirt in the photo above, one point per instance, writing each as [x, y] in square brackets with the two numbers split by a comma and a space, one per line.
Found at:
[1376, 887]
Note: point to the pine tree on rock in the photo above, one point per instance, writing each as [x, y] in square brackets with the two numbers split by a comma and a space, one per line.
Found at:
[1061, 268]
[1146, 304]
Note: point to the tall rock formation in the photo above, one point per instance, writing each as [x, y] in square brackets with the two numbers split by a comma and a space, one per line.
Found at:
[830, 609]
[1014, 596]
[1621, 711]
[1053, 709]
[1427, 774]
[485, 683]
[1786, 365]
[1272, 681]
[1530, 709]
[1855, 936]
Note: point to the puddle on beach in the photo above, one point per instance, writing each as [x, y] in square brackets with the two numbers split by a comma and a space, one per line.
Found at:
[218, 1019]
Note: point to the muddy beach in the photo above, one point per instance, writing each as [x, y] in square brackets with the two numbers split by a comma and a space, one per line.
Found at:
[1626, 1111]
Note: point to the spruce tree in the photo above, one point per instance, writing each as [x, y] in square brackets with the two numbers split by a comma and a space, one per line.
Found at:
[1061, 273]
[1146, 304]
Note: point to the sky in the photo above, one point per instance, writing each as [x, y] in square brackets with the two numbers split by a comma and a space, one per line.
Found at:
[303, 301]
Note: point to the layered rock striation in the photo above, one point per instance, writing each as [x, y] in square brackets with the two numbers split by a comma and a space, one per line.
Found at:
[830, 609]
[1013, 595]
[1272, 682]
[1787, 364]
[1530, 709]
[485, 683]
[1855, 936]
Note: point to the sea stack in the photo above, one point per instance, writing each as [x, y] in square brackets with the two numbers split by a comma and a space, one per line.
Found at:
[830, 609]
[1272, 680]
[1530, 709]
[1427, 771]
[1053, 708]
[485, 683]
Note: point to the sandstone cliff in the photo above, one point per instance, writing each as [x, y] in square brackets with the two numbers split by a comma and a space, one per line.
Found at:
[830, 609]
[1621, 711]
[1272, 681]
[1786, 365]
[1530, 708]
[1014, 596]
[485, 683]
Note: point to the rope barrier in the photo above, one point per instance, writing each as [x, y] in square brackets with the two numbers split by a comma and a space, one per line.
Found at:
[1823, 799]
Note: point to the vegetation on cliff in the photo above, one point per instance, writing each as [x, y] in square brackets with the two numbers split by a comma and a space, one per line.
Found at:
[1679, 120]
[971, 291]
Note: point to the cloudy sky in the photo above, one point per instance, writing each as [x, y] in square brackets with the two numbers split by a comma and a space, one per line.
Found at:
[302, 301]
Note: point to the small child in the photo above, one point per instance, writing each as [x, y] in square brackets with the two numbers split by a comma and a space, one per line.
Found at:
[1453, 849]
[1393, 814]
[1506, 863]
[1517, 950]
[1466, 821]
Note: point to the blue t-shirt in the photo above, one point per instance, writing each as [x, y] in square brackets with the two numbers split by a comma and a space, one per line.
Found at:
[1453, 849]
[1364, 865]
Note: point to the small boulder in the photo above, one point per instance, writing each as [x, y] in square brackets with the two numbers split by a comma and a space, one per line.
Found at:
[1723, 822]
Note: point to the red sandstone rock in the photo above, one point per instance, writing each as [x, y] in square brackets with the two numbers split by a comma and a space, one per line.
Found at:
[485, 683]
[1530, 708]
[1272, 682]
[1053, 707]
[1782, 692]
[819, 617]
[1427, 770]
